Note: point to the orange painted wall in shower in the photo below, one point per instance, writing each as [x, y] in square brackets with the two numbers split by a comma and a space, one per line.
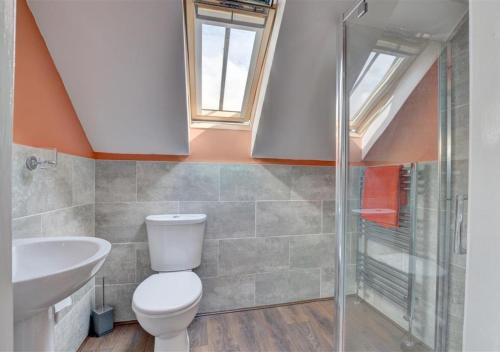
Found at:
[413, 133]
[43, 113]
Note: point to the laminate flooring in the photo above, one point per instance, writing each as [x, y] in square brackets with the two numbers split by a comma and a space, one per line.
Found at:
[304, 327]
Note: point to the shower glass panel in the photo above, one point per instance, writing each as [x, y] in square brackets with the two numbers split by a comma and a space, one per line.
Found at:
[403, 214]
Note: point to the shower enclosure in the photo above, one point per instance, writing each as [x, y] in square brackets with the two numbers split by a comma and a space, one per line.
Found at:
[402, 161]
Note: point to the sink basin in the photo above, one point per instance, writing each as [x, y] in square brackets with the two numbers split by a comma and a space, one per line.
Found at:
[45, 271]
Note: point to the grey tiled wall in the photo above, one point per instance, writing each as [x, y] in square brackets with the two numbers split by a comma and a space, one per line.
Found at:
[57, 202]
[269, 236]
[460, 175]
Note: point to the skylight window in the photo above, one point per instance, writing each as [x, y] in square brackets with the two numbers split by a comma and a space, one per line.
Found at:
[375, 84]
[226, 58]
[226, 51]
[377, 70]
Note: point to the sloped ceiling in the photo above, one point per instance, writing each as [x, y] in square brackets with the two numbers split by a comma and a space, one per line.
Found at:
[122, 63]
[297, 120]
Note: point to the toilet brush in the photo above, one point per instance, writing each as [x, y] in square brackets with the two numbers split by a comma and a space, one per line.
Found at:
[102, 317]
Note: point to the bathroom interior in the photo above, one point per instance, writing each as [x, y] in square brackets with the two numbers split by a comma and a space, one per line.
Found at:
[249, 175]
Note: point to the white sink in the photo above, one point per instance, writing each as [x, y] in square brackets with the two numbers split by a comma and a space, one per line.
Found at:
[45, 271]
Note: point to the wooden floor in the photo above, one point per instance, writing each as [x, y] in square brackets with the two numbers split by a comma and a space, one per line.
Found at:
[306, 327]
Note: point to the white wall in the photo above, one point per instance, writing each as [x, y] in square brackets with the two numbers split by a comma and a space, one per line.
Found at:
[482, 306]
[296, 121]
[7, 26]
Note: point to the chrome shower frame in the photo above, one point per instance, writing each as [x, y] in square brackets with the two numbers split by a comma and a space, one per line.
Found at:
[342, 172]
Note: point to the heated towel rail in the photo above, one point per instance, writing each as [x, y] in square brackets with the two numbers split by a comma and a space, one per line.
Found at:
[392, 283]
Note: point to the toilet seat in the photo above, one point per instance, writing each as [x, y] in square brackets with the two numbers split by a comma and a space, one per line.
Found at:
[167, 293]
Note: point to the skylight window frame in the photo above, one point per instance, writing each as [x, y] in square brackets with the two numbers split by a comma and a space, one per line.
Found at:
[357, 123]
[224, 119]
[221, 114]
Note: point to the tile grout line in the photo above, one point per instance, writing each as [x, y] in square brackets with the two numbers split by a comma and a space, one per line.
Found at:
[51, 211]
[255, 219]
[136, 181]
[219, 179]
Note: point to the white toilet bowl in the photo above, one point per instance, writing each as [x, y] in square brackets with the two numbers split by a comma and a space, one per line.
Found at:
[165, 304]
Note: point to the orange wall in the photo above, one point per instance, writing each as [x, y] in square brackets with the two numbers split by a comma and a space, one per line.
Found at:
[213, 145]
[413, 133]
[43, 113]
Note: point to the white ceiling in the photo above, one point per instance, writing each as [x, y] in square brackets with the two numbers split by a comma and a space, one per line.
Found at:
[122, 63]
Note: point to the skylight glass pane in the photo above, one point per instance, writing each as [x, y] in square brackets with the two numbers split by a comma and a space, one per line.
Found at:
[241, 45]
[365, 67]
[370, 80]
[212, 55]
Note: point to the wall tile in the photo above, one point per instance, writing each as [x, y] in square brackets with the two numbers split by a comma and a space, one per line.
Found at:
[43, 189]
[460, 177]
[460, 94]
[427, 233]
[351, 283]
[460, 133]
[328, 282]
[225, 219]
[177, 181]
[455, 333]
[143, 262]
[73, 329]
[125, 222]
[328, 220]
[74, 221]
[288, 218]
[460, 42]
[249, 256]
[29, 226]
[120, 297]
[120, 266]
[287, 286]
[83, 181]
[313, 183]
[227, 292]
[209, 259]
[457, 291]
[312, 251]
[354, 182]
[255, 182]
[115, 181]
[427, 185]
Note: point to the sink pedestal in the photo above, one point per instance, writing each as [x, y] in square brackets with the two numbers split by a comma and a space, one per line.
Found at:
[35, 333]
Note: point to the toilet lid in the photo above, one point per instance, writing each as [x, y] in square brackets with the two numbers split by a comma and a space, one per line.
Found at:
[167, 292]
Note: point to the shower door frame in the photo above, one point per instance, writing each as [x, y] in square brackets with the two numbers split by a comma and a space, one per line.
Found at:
[342, 174]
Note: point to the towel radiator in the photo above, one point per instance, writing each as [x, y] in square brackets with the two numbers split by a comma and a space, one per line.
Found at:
[388, 281]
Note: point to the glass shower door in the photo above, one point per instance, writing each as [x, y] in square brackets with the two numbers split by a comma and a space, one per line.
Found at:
[395, 214]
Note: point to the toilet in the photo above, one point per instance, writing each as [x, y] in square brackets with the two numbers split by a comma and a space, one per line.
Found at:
[166, 303]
